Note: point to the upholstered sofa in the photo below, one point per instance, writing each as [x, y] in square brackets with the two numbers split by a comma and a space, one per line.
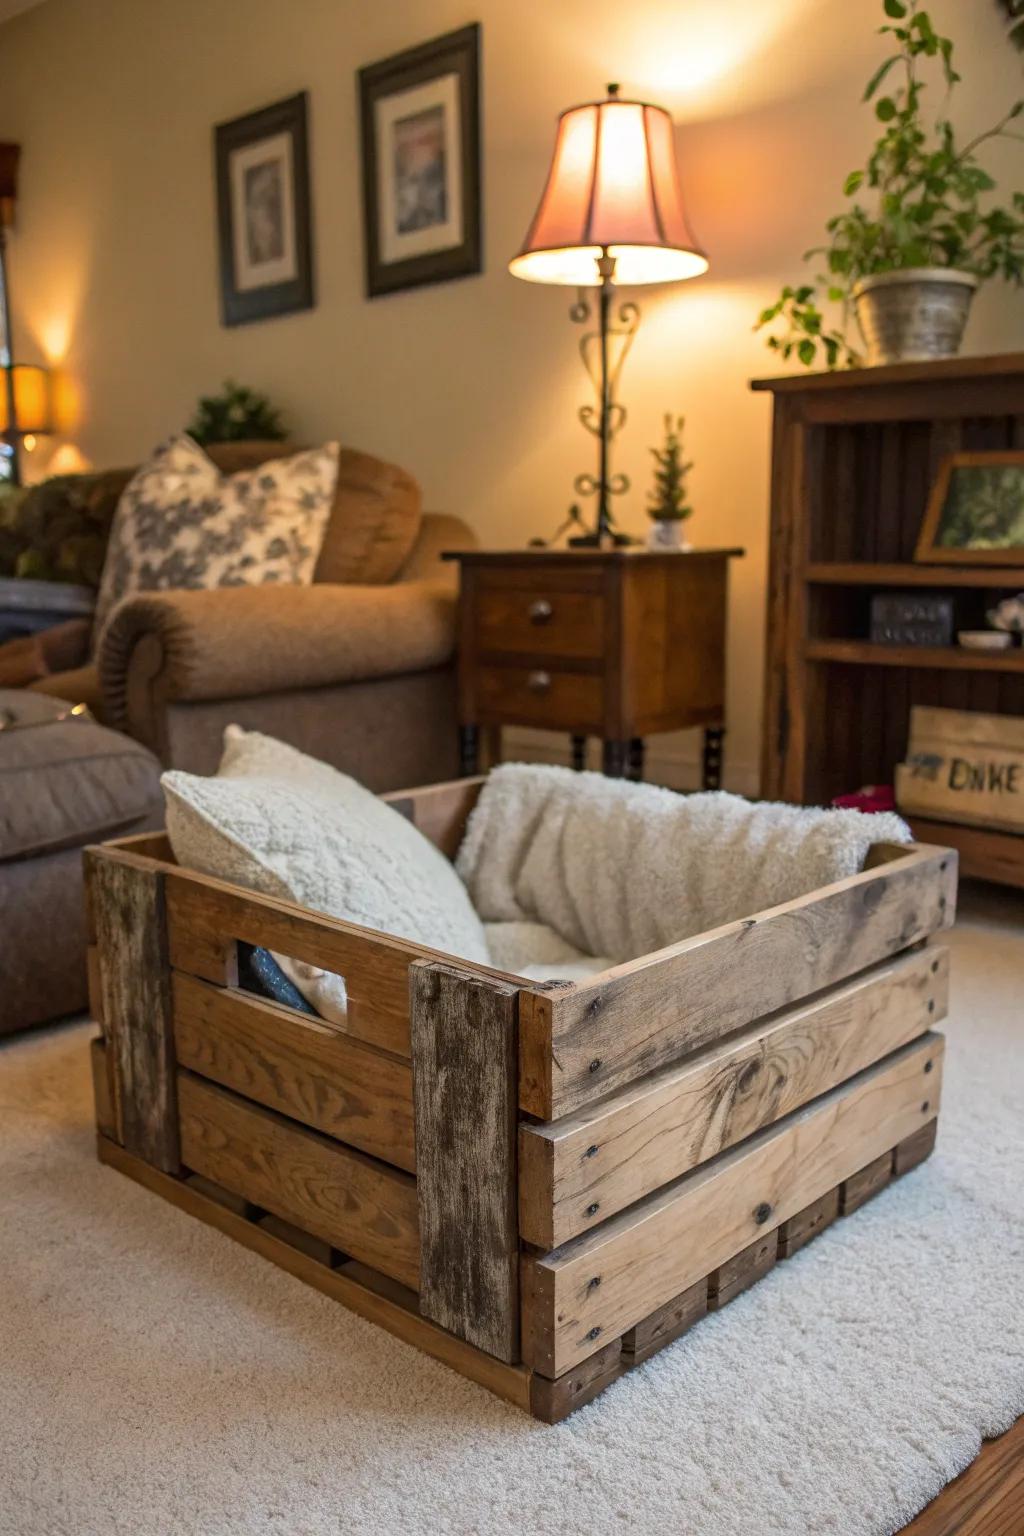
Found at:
[356, 669]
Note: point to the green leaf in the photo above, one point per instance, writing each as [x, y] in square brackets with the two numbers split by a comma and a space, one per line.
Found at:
[837, 295]
[878, 76]
[885, 109]
[852, 182]
[806, 351]
[895, 8]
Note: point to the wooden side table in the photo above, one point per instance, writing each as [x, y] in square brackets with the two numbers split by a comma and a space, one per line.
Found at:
[618, 644]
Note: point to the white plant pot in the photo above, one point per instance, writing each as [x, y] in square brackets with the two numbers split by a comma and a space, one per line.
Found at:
[914, 315]
[668, 533]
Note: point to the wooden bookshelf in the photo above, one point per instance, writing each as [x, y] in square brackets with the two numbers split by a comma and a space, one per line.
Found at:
[854, 456]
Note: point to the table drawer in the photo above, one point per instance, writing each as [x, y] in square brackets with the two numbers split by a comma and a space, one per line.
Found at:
[562, 701]
[540, 622]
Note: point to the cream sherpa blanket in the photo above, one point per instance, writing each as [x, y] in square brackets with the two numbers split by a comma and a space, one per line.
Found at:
[619, 869]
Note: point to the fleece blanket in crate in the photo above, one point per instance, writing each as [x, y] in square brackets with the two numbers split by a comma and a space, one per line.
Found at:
[619, 869]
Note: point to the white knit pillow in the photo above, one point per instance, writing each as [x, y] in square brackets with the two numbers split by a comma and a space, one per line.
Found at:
[181, 523]
[277, 821]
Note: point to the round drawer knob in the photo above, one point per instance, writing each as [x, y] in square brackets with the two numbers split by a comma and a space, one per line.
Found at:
[540, 611]
[539, 682]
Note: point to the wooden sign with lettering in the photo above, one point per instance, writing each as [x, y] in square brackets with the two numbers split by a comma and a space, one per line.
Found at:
[964, 767]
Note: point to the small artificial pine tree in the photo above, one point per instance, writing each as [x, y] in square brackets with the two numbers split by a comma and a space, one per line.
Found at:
[236, 415]
[668, 498]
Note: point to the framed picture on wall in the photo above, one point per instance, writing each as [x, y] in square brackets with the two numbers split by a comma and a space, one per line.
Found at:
[263, 213]
[420, 122]
[976, 510]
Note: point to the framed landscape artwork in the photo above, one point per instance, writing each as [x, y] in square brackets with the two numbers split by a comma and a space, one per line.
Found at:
[976, 510]
[263, 213]
[420, 122]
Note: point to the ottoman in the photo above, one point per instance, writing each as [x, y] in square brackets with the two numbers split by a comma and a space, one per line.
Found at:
[64, 782]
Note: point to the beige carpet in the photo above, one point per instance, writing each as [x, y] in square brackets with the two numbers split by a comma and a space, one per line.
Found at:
[157, 1380]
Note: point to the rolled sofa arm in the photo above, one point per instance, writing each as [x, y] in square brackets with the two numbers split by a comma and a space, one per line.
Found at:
[238, 642]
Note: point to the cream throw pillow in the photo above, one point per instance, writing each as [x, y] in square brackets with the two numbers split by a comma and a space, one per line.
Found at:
[277, 821]
[181, 523]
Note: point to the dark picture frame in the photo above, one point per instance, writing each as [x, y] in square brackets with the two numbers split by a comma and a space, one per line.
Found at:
[419, 115]
[264, 213]
[975, 513]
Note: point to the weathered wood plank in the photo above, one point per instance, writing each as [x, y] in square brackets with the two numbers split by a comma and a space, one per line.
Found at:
[465, 1089]
[439, 811]
[814, 1218]
[580, 1042]
[865, 1184]
[665, 1325]
[354, 1203]
[376, 1303]
[554, 1400]
[298, 1065]
[102, 1090]
[743, 1270]
[576, 1172]
[602, 1283]
[126, 899]
[916, 1148]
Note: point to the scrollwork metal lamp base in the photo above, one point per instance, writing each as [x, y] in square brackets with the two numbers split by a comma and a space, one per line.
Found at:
[606, 419]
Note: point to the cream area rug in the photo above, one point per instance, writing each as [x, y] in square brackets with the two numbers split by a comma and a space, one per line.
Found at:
[158, 1380]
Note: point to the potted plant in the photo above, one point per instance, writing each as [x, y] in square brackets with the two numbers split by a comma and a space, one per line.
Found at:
[236, 415]
[667, 506]
[909, 257]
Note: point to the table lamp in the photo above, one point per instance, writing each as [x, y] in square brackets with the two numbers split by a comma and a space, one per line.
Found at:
[24, 387]
[611, 215]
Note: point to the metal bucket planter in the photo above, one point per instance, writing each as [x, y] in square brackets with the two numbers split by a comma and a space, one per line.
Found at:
[914, 315]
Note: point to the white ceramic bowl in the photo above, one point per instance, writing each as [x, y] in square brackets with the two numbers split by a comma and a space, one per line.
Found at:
[985, 639]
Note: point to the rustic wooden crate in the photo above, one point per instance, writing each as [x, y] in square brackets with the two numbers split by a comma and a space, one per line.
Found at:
[964, 767]
[540, 1184]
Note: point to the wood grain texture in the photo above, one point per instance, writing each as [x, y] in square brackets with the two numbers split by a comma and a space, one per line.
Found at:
[576, 1172]
[377, 1303]
[126, 899]
[465, 1090]
[665, 1325]
[797, 1232]
[300, 1066]
[580, 1042]
[865, 1184]
[354, 1203]
[984, 855]
[985, 1500]
[102, 1089]
[743, 1270]
[604, 1282]
[439, 811]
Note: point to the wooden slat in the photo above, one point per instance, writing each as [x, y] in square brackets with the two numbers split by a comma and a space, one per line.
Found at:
[554, 1400]
[743, 1270]
[579, 1042]
[797, 1232]
[92, 972]
[576, 1172]
[440, 811]
[297, 1065]
[102, 1090]
[916, 1148]
[354, 1203]
[865, 1184]
[465, 1086]
[126, 899]
[376, 1305]
[604, 1282]
[206, 917]
[665, 1325]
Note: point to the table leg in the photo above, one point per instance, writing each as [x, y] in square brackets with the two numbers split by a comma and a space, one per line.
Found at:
[579, 752]
[714, 735]
[635, 759]
[491, 736]
[613, 759]
[469, 750]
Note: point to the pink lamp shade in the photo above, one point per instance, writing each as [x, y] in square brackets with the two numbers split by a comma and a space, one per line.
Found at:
[613, 186]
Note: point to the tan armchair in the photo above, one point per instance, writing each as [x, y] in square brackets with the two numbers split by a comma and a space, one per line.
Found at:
[358, 673]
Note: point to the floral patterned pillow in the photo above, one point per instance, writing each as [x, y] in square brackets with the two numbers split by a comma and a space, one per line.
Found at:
[181, 523]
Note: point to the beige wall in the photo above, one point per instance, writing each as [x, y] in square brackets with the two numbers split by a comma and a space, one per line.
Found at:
[473, 384]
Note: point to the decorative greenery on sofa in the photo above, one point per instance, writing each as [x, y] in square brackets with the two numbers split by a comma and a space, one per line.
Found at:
[58, 530]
